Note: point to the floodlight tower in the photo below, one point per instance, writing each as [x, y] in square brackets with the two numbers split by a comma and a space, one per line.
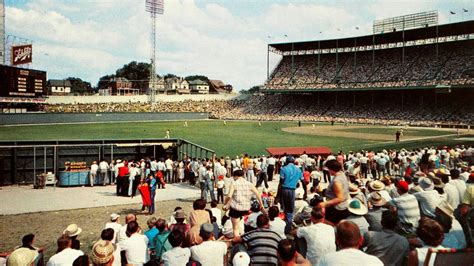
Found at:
[154, 7]
[2, 32]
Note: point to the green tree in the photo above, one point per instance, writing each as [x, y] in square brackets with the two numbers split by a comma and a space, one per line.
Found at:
[252, 90]
[79, 86]
[137, 73]
[194, 77]
[169, 75]
[104, 81]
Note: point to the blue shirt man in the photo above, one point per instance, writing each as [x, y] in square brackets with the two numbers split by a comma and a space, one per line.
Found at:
[290, 175]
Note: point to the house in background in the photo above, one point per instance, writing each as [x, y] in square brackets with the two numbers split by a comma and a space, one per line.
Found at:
[122, 86]
[59, 87]
[176, 85]
[199, 86]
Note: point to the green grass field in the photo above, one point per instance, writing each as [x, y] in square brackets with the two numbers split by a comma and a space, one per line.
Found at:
[411, 132]
[234, 138]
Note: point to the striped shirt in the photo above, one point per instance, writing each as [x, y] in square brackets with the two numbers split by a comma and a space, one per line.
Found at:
[408, 211]
[242, 195]
[262, 246]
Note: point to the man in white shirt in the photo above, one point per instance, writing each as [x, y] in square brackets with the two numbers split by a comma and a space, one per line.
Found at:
[176, 256]
[271, 167]
[122, 234]
[210, 252]
[429, 198]
[135, 246]
[216, 212]
[103, 169]
[160, 166]
[458, 183]
[320, 237]
[67, 255]
[93, 173]
[349, 239]
[115, 225]
[169, 170]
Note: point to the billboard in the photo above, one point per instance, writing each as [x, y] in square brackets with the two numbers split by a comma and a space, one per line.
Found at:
[21, 54]
[22, 82]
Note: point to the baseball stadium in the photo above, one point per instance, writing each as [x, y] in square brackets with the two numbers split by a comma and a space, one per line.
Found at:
[404, 91]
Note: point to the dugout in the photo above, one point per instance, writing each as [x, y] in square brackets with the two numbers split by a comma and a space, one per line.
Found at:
[22, 161]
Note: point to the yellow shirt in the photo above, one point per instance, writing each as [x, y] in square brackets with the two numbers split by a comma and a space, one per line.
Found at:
[469, 195]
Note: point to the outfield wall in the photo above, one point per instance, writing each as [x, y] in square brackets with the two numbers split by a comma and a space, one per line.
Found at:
[43, 118]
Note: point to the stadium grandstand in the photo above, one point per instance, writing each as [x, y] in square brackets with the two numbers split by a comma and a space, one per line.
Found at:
[410, 71]
[420, 76]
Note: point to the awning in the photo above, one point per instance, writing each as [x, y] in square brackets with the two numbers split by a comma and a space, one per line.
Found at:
[279, 151]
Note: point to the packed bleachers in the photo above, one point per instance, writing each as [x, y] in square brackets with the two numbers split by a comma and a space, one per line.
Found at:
[383, 69]
[303, 108]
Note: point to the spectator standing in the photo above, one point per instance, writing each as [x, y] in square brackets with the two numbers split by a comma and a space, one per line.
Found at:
[337, 193]
[238, 199]
[271, 167]
[169, 170]
[93, 173]
[104, 168]
[290, 175]
[153, 184]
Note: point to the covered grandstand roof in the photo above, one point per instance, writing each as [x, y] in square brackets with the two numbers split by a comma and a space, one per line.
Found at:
[460, 28]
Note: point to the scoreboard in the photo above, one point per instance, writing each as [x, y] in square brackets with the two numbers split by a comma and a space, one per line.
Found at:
[22, 82]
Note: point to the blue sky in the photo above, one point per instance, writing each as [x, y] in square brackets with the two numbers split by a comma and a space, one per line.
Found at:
[222, 39]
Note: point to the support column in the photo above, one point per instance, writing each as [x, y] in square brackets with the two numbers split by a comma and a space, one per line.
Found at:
[268, 62]
[13, 166]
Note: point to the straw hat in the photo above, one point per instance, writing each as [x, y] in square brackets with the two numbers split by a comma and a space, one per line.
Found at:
[102, 252]
[438, 183]
[22, 256]
[72, 230]
[446, 208]
[353, 189]
[376, 199]
[426, 184]
[114, 216]
[358, 208]
[376, 185]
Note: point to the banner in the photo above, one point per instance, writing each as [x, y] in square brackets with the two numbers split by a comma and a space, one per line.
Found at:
[21, 54]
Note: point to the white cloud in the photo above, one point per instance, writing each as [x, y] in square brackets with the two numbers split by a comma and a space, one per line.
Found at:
[92, 38]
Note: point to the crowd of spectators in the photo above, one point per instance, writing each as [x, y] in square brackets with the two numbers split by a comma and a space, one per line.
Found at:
[420, 66]
[376, 208]
[298, 108]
